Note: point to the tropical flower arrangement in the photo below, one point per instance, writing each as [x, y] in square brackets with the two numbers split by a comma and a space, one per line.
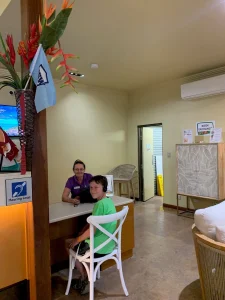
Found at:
[48, 33]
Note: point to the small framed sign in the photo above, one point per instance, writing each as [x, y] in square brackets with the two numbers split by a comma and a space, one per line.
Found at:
[18, 190]
[204, 128]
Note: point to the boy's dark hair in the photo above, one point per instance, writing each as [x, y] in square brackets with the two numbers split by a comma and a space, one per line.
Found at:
[101, 180]
[78, 161]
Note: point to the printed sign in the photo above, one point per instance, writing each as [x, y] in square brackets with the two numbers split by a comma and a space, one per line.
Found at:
[216, 135]
[110, 187]
[187, 136]
[204, 128]
[18, 190]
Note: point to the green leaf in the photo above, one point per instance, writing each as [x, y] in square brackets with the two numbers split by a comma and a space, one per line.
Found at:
[12, 72]
[48, 38]
[52, 33]
[43, 21]
[7, 78]
[4, 47]
[24, 81]
[61, 20]
[7, 83]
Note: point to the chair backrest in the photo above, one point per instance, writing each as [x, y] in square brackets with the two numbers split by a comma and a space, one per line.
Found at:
[125, 171]
[96, 221]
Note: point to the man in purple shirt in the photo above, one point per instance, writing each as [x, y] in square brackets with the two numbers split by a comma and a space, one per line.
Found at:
[76, 183]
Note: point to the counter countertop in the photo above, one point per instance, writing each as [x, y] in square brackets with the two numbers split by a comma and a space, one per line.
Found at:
[62, 210]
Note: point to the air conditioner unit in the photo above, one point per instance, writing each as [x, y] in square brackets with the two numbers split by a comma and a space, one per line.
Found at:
[203, 88]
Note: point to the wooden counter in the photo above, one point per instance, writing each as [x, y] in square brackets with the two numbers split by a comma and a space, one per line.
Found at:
[66, 221]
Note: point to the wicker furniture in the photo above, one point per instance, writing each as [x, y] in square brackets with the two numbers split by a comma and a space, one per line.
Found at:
[123, 174]
[211, 265]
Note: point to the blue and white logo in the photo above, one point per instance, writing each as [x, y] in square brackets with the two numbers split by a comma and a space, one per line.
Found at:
[19, 189]
[42, 76]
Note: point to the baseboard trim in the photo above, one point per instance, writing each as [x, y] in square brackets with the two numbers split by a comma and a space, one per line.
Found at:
[17, 291]
[179, 207]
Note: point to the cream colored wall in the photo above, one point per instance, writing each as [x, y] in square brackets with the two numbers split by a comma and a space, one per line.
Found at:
[91, 126]
[6, 98]
[163, 104]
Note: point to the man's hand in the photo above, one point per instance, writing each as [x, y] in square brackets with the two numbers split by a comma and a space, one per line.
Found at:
[73, 243]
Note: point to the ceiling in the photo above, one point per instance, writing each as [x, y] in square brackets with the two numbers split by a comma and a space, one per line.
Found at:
[138, 43]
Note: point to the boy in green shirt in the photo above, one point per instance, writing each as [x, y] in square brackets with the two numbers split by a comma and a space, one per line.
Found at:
[104, 206]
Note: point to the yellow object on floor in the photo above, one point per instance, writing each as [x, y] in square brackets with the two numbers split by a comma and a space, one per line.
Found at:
[160, 190]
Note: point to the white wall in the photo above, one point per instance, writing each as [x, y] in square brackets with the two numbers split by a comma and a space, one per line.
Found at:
[91, 126]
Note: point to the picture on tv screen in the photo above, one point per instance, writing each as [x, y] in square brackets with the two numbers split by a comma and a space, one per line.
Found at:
[8, 120]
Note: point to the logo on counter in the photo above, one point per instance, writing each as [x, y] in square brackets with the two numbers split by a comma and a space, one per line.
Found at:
[19, 189]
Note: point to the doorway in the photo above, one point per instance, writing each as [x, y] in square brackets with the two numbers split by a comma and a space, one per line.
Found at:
[150, 161]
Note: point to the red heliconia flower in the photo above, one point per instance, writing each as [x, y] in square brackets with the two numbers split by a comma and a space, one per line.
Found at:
[22, 48]
[61, 64]
[51, 51]
[70, 79]
[32, 43]
[22, 51]
[34, 34]
[11, 49]
[69, 55]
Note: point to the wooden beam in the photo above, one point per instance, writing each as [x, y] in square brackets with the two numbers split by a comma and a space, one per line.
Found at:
[30, 11]
[41, 289]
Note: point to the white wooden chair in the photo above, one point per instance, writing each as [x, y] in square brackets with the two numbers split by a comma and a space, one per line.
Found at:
[88, 259]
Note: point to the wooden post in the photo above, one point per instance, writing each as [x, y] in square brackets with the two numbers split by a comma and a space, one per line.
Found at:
[41, 287]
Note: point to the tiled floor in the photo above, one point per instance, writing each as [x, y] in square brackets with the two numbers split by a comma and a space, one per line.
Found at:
[163, 267]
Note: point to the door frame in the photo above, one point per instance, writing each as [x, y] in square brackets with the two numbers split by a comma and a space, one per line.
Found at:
[140, 157]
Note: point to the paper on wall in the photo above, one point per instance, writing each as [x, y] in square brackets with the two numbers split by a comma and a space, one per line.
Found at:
[187, 136]
[215, 135]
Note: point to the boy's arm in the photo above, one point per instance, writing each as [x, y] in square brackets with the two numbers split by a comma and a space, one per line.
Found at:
[97, 210]
[83, 229]
[81, 238]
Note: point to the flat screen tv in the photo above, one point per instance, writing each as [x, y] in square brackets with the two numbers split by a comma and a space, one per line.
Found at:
[8, 120]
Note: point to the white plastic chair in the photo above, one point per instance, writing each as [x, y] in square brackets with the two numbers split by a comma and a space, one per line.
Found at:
[88, 259]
